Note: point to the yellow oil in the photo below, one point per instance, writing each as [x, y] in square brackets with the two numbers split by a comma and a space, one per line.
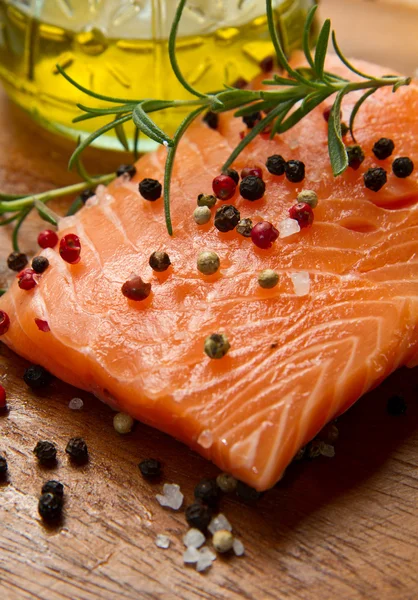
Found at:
[126, 68]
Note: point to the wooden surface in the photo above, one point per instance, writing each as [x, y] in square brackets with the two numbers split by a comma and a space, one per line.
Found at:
[343, 528]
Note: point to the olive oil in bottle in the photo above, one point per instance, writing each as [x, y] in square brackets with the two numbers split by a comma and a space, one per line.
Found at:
[118, 48]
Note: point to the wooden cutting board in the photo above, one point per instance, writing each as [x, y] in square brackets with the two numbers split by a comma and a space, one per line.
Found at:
[343, 528]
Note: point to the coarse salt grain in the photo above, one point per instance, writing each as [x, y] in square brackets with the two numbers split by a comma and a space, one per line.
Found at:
[205, 439]
[301, 283]
[171, 496]
[194, 538]
[162, 541]
[218, 523]
[288, 227]
[238, 547]
[76, 404]
[206, 559]
[191, 555]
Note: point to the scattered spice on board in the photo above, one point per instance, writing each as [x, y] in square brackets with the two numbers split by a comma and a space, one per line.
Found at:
[194, 538]
[3, 397]
[36, 377]
[50, 507]
[171, 496]
[76, 404]
[198, 516]
[77, 450]
[3, 466]
[247, 493]
[45, 452]
[226, 483]
[150, 468]
[207, 491]
[162, 541]
[123, 423]
[223, 541]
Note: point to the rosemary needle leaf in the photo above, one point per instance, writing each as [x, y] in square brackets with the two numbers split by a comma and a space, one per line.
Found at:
[257, 106]
[322, 48]
[46, 213]
[87, 141]
[356, 108]
[15, 235]
[90, 92]
[147, 126]
[75, 207]
[345, 61]
[307, 36]
[401, 82]
[136, 142]
[121, 135]
[336, 147]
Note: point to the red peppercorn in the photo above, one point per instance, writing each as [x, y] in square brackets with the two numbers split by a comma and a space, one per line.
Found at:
[327, 113]
[302, 213]
[224, 187]
[136, 289]
[26, 279]
[4, 322]
[252, 172]
[2, 397]
[70, 248]
[264, 234]
[47, 239]
[42, 325]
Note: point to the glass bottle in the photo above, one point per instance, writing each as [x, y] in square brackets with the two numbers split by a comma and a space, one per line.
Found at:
[119, 48]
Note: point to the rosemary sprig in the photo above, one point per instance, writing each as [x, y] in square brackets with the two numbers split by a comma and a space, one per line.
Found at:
[296, 93]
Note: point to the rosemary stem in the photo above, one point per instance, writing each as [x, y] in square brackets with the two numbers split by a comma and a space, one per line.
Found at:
[18, 205]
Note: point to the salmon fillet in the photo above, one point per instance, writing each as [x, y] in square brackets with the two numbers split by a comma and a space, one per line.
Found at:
[295, 362]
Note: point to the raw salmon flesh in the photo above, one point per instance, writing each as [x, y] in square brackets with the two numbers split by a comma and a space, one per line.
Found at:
[296, 361]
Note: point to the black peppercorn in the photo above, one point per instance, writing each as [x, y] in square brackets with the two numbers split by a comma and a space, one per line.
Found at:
[402, 167]
[267, 64]
[247, 493]
[50, 507]
[233, 174]
[45, 452]
[252, 120]
[344, 129]
[159, 261]
[396, 406]
[226, 218]
[207, 491]
[150, 468]
[77, 450]
[198, 515]
[211, 119]
[40, 264]
[375, 178]
[383, 148]
[3, 465]
[86, 194]
[126, 170]
[53, 487]
[276, 164]
[36, 377]
[252, 188]
[240, 83]
[150, 189]
[16, 261]
[355, 156]
[244, 227]
[295, 171]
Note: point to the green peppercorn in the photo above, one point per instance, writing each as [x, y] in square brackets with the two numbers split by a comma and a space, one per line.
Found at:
[202, 215]
[206, 200]
[222, 541]
[216, 345]
[123, 423]
[244, 227]
[308, 197]
[268, 279]
[226, 483]
[208, 262]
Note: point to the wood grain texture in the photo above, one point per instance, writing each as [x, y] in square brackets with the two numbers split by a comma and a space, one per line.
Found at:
[344, 528]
